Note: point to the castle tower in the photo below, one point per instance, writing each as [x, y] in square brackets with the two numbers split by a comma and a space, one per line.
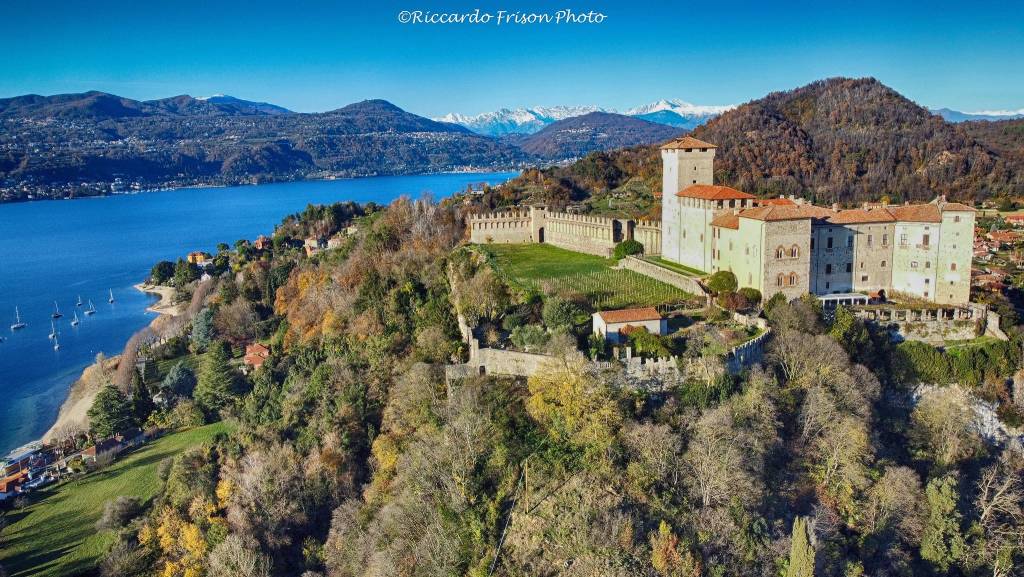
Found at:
[686, 161]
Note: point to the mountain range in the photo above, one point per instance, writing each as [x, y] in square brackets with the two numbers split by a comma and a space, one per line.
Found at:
[992, 115]
[832, 140]
[676, 113]
[837, 140]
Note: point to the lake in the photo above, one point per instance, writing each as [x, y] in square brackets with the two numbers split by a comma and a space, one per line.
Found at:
[58, 250]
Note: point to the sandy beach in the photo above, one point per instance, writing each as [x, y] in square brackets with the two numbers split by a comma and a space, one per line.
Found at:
[73, 413]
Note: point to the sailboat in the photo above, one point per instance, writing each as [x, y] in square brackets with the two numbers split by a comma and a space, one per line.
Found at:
[111, 299]
[79, 303]
[17, 321]
[91, 310]
[56, 311]
[53, 330]
[74, 321]
[56, 345]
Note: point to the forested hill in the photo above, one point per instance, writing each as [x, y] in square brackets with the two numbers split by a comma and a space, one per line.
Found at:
[838, 140]
[853, 139]
[579, 135]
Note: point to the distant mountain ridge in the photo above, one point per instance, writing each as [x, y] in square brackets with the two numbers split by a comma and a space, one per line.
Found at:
[502, 122]
[991, 115]
[578, 135]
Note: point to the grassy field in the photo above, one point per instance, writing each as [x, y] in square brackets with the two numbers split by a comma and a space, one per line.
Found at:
[56, 534]
[542, 266]
[675, 267]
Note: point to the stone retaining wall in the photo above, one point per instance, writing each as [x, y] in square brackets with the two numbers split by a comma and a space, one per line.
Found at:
[662, 274]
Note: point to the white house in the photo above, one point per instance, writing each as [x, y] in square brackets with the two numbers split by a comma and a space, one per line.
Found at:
[614, 325]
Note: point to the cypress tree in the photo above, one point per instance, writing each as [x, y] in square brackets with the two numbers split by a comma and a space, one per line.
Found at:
[801, 553]
[110, 412]
[142, 402]
[216, 387]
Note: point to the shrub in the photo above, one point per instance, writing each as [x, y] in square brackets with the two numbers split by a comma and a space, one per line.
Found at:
[733, 301]
[118, 512]
[647, 344]
[529, 337]
[722, 281]
[627, 248]
[776, 300]
[752, 295]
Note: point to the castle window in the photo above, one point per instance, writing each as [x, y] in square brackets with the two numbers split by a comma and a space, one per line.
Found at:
[780, 252]
[863, 278]
[885, 240]
[849, 267]
[927, 281]
[703, 150]
[862, 265]
[829, 244]
[869, 241]
[828, 269]
[792, 279]
[794, 251]
[849, 241]
[778, 279]
[883, 264]
[913, 264]
[903, 240]
[927, 264]
[956, 218]
[925, 239]
[812, 243]
[925, 294]
[952, 266]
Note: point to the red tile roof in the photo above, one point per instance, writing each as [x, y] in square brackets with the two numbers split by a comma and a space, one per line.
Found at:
[786, 212]
[728, 220]
[956, 206]
[630, 315]
[687, 142]
[775, 202]
[861, 215]
[712, 192]
[917, 213]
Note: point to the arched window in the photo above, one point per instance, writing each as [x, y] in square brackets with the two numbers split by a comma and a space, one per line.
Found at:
[792, 279]
[780, 252]
[778, 280]
[794, 251]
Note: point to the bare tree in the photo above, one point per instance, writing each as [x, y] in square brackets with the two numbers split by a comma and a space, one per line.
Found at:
[999, 502]
[238, 556]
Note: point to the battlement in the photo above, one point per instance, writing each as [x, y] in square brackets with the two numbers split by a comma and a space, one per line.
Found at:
[499, 215]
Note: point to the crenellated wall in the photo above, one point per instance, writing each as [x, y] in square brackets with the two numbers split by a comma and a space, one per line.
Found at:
[577, 232]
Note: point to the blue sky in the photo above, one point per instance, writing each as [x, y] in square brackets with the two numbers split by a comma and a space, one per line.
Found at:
[312, 55]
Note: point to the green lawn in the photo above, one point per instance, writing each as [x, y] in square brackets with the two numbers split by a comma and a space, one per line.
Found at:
[675, 267]
[56, 534]
[545, 267]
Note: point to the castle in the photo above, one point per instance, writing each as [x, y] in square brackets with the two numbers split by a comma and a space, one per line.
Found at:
[773, 245]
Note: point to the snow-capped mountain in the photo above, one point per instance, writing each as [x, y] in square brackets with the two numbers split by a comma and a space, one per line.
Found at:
[957, 116]
[518, 121]
[677, 113]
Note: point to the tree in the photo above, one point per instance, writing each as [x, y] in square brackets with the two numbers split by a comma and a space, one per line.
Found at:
[185, 272]
[627, 248]
[943, 543]
[236, 322]
[559, 313]
[223, 247]
[752, 295]
[722, 281]
[202, 330]
[801, 552]
[999, 502]
[666, 557]
[238, 556]
[217, 380]
[942, 427]
[645, 343]
[162, 272]
[142, 401]
[118, 512]
[110, 412]
[180, 380]
[529, 337]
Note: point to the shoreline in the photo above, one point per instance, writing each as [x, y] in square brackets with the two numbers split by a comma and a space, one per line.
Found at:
[224, 185]
[73, 410]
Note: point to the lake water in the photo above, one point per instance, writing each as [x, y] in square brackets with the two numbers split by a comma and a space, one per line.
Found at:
[58, 250]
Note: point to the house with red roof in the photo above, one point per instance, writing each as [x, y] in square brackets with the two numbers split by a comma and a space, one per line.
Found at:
[615, 326]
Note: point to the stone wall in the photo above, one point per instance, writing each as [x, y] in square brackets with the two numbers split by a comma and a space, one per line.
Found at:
[658, 273]
[932, 325]
[581, 233]
[747, 354]
[648, 233]
[500, 227]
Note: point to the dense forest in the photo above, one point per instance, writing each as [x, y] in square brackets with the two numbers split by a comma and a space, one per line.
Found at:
[351, 455]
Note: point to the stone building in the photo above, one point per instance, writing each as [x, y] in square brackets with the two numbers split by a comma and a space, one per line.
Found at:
[789, 246]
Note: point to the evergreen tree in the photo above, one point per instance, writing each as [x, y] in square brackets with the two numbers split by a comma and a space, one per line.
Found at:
[142, 402]
[180, 380]
[943, 543]
[202, 330]
[801, 553]
[110, 412]
[217, 379]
